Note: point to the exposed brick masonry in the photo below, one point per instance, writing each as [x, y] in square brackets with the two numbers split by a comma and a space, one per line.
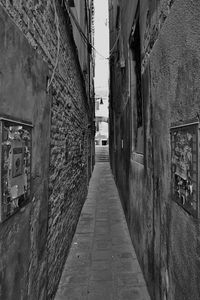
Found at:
[68, 145]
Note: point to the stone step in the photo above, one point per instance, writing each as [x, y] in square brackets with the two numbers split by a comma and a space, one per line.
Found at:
[102, 154]
[102, 263]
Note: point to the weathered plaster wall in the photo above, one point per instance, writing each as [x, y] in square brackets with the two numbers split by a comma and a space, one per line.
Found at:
[166, 237]
[23, 96]
[175, 90]
[62, 143]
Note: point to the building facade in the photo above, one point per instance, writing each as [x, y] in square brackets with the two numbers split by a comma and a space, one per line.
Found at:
[101, 120]
[154, 137]
[46, 139]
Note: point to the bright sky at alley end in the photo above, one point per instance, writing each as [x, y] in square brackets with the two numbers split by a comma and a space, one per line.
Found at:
[101, 44]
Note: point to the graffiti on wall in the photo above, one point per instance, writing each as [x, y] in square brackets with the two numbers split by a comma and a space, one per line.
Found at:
[15, 162]
[184, 142]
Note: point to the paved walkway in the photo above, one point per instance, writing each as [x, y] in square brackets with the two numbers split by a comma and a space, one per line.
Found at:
[102, 263]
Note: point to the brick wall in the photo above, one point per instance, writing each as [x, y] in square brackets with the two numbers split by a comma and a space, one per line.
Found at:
[70, 116]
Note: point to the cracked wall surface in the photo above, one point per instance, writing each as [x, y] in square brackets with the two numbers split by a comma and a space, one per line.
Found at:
[36, 240]
[164, 234]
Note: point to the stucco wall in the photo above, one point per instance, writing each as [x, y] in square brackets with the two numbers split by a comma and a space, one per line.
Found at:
[23, 97]
[175, 93]
[165, 236]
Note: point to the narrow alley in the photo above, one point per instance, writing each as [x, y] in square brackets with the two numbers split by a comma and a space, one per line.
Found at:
[99, 150]
[102, 263]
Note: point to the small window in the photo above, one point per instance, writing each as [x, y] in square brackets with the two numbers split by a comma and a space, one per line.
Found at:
[71, 3]
[118, 18]
[136, 91]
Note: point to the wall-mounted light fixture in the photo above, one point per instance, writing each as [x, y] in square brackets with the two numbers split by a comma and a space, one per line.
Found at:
[99, 98]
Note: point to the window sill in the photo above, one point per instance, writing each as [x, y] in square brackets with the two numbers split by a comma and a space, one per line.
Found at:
[137, 157]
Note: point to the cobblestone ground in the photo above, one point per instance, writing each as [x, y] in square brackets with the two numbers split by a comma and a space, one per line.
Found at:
[102, 263]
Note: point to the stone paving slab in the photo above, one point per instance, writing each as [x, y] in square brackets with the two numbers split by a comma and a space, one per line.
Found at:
[102, 263]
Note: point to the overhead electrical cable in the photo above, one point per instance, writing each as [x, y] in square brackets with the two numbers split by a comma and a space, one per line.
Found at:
[85, 39]
[115, 43]
[58, 46]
